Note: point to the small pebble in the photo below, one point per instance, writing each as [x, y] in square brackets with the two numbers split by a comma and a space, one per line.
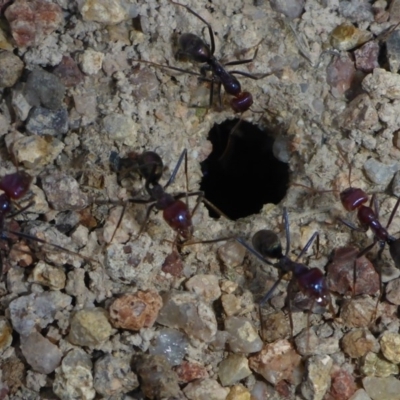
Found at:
[275, 326]
[393, 291]
[232, 253]
[185, 311]
[170, 343]
[44, 89]
[340, 75]
[74, 378]
[239, 392]
[340, 273]
[346, 37]
[173, 264]
[19, 103]
[113, 376]
[376, 365]
[13, 375]
[230, 304]
[136, 311]
[89, 327]
[32, 20]
[144, 83]
[358, 342]
[262, 391]
[289, 8]
[342, 385]
[108, 12]
[396, 178]
[233, 369]
[48, 275]
[158, 381]
[382, 83]
[206, 389]
[68, 72]
[63, 192]
[5, 334]
[358, 312]
[367, 57]
[243, 337]
[393, 50]
[42, 121]
[91, 61]
[390, 346]
[308, 343]
[11, 68]
[189, 371]
[360, 394]
[42, 355]
[356, 10]
[205, 286]
[281, 148]
[120, 127]
[382, 388]
[380, 173]
[276, 361]
[318, 377]
[394, 11]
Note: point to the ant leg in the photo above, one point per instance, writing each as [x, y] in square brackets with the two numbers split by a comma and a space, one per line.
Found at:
[176, 169]
[185, 71]
[146, 218]
[251, 76]
[21, 210]
[210, 31]
[247, 61]
[287, 230]
[315, 236]
[352, 226]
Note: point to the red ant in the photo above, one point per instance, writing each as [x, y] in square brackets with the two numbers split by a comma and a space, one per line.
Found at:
[310, 281]
[176, 213]
[15, 186]
[194, 48]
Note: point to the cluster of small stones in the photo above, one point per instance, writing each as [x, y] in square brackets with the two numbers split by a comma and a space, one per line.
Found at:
[131, 317]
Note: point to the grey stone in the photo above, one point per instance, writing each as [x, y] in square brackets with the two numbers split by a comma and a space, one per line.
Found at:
[43, 121]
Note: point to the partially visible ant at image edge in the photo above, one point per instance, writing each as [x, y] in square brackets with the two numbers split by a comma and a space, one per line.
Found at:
[194, 48]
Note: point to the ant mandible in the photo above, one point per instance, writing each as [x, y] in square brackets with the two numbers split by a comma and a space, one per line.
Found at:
[310, 281]
[194, 48]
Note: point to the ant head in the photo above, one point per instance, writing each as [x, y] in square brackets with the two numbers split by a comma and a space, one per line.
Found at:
[352, 198]
[194, 47]
[150, 166]
[268, 244]
[16, 185]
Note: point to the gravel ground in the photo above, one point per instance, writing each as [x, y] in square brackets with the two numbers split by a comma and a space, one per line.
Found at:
[135, 317]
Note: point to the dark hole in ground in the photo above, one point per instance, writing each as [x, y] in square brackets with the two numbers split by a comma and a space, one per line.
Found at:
[241, 177]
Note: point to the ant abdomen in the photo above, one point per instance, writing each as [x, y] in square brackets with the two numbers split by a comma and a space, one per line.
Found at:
[353, 198]
[194, 47]
[267, 243]
[16, 185]
[179, 218]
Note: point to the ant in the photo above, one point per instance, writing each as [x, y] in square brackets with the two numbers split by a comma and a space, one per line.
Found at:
[194, 48]
[310, 281]
[176, 213]
[15, 186]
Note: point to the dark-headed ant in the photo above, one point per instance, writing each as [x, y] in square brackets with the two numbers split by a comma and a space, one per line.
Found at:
[310, 281]
[194, 48]
[176, 212]
[15, 186]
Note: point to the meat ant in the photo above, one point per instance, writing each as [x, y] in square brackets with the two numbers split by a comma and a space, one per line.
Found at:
[15, 186]
[176, 212]
[310, 281]
[196, 49]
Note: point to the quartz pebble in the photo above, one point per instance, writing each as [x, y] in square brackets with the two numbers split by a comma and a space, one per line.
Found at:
[205, 286]
[91, 61]
[44, 89]
[170, 343]
[68, 72]
[382, 388]
[185, 311]
[340, 75]
[231, 304]
[289, 8]
[5, 334]
[239, 392]
[11, 68]
[360, 394]
[233, 369]
[74, 378]
[36, 310]
[358, 312]
[243, 337]
[342, 385]
[356, 10]
[376, 365]
[367, 56]
[48, 275]
[205, 389]
[262, 391]
[358, 343]
[42, 355]
[120, 127]
[160, 385]
[105, 11]
[63, 192]
[113, 376]
[232, 253]
[380, 173]
[31, 20]
[318, 377]
[136, 311]
[89, 327]
[189, 371]
[390, 346]
[276, 361]
[340, 273]
[346, 37]
[42, 121]
[308, 343]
